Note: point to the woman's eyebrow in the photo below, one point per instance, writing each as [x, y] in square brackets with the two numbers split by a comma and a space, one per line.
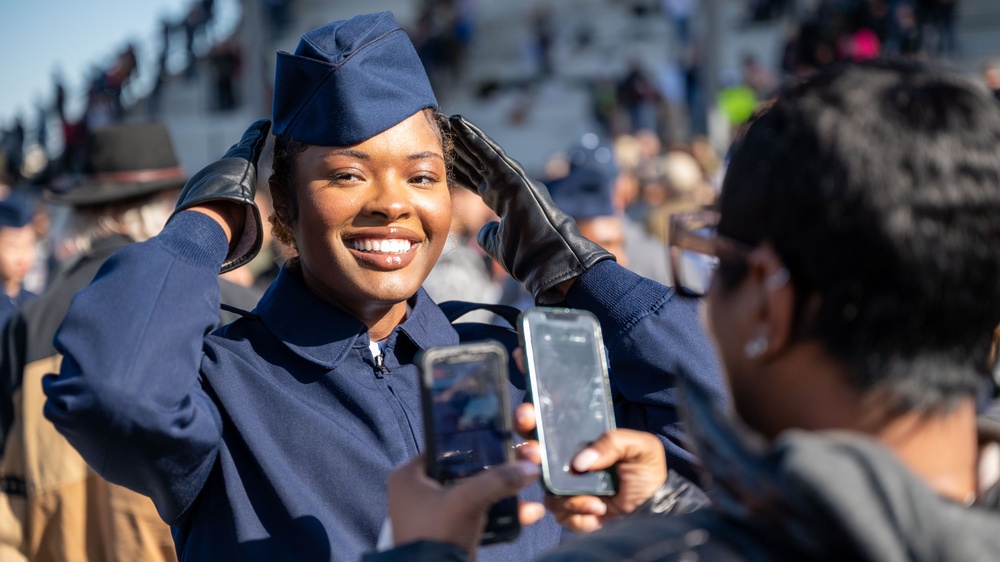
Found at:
[425, 155]
[348, 152]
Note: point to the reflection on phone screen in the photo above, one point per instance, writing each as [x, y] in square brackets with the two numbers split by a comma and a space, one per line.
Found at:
[572, 400]
[468, 421]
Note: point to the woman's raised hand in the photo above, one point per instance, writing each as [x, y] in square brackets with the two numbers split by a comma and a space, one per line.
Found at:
[225, 190]
[538, 244]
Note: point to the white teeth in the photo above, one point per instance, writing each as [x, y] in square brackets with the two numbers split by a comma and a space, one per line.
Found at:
[390, 246]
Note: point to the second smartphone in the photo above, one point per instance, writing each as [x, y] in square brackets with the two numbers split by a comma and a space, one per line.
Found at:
[568, 373]
[467, 421]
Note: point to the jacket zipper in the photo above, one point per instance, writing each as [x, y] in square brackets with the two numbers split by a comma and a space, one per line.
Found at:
[380, 364]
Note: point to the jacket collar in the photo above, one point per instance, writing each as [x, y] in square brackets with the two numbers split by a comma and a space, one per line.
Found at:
[324, 334]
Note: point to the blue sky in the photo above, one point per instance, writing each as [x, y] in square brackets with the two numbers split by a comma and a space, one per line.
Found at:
[42, 37]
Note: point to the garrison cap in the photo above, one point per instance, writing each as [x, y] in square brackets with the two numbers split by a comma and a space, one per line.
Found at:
[349, 81]
[587, 190]
[584, 193]
[16, 211]
[593, 151]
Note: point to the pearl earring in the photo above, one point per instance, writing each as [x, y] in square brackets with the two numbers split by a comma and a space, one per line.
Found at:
[756, 347]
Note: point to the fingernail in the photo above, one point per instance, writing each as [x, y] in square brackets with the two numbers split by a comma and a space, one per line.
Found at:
[524, 417]
[528, 469]
[534, 510]
[582, 462]
[596, 507]
[529, 451]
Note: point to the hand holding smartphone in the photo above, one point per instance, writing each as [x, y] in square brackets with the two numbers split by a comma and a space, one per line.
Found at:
[567, 370]
[467, 421]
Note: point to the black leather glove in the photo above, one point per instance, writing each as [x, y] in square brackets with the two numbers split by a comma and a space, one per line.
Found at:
[233, 178]
[538, 244]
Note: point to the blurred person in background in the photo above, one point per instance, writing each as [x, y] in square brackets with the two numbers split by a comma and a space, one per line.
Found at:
[686, 188]
[991, 76]
[594, 194]
[464, 272]
[17, 253]
[639, 97]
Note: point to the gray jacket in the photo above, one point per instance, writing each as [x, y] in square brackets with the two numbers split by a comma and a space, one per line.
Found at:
[808, 496]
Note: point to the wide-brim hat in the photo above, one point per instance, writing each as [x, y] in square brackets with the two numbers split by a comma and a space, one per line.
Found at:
[123, 161]
[349, 81]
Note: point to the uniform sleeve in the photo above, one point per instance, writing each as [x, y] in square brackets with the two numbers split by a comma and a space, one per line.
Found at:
[128, 396]
[653, 337]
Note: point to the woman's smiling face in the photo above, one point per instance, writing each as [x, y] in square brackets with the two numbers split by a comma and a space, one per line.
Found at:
[373, 217]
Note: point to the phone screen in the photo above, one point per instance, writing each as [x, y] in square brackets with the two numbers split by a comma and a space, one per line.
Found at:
[568, 373]
[467, 422]
[467, 405]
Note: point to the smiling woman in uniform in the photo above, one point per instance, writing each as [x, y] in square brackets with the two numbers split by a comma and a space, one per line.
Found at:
[273, 437]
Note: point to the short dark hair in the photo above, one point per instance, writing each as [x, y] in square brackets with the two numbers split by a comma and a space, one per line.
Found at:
[282, 181]
[878, 185]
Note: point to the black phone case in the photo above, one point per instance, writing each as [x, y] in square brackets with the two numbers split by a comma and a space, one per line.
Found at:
[502, 523]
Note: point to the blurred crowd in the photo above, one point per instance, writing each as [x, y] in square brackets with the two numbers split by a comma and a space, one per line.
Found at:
[647, 156]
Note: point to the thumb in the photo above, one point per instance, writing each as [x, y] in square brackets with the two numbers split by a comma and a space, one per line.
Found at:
[619, 446]
[494, 484]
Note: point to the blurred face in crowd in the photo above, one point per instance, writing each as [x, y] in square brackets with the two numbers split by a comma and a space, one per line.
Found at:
[17, 254]
[607, 233]
[469, 212]
[372, 218]
[992, 77]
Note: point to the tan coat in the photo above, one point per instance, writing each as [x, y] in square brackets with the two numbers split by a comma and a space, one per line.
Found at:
[53, 507]
[64, 511]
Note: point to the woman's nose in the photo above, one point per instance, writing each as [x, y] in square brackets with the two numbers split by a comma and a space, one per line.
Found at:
[390, 199]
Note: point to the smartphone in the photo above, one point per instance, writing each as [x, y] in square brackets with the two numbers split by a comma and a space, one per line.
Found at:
[467, 421]
[568, 374]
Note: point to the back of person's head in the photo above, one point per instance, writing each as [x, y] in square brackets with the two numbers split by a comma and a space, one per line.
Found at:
[878, 185]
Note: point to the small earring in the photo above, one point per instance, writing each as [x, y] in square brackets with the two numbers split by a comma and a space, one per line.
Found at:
[756, 347]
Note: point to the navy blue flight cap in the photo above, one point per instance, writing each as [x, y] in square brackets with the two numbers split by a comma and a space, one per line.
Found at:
[594, 151]
[584, 193]
[349, 81]
[16, 211]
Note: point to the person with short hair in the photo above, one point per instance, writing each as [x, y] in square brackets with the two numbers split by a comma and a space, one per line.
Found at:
[850, 285]
[588, 192]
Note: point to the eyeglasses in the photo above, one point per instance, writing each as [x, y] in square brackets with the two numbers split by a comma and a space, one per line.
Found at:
[696, 250]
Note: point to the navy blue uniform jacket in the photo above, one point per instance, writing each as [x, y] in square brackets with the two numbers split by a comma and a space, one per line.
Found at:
[273, 437]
